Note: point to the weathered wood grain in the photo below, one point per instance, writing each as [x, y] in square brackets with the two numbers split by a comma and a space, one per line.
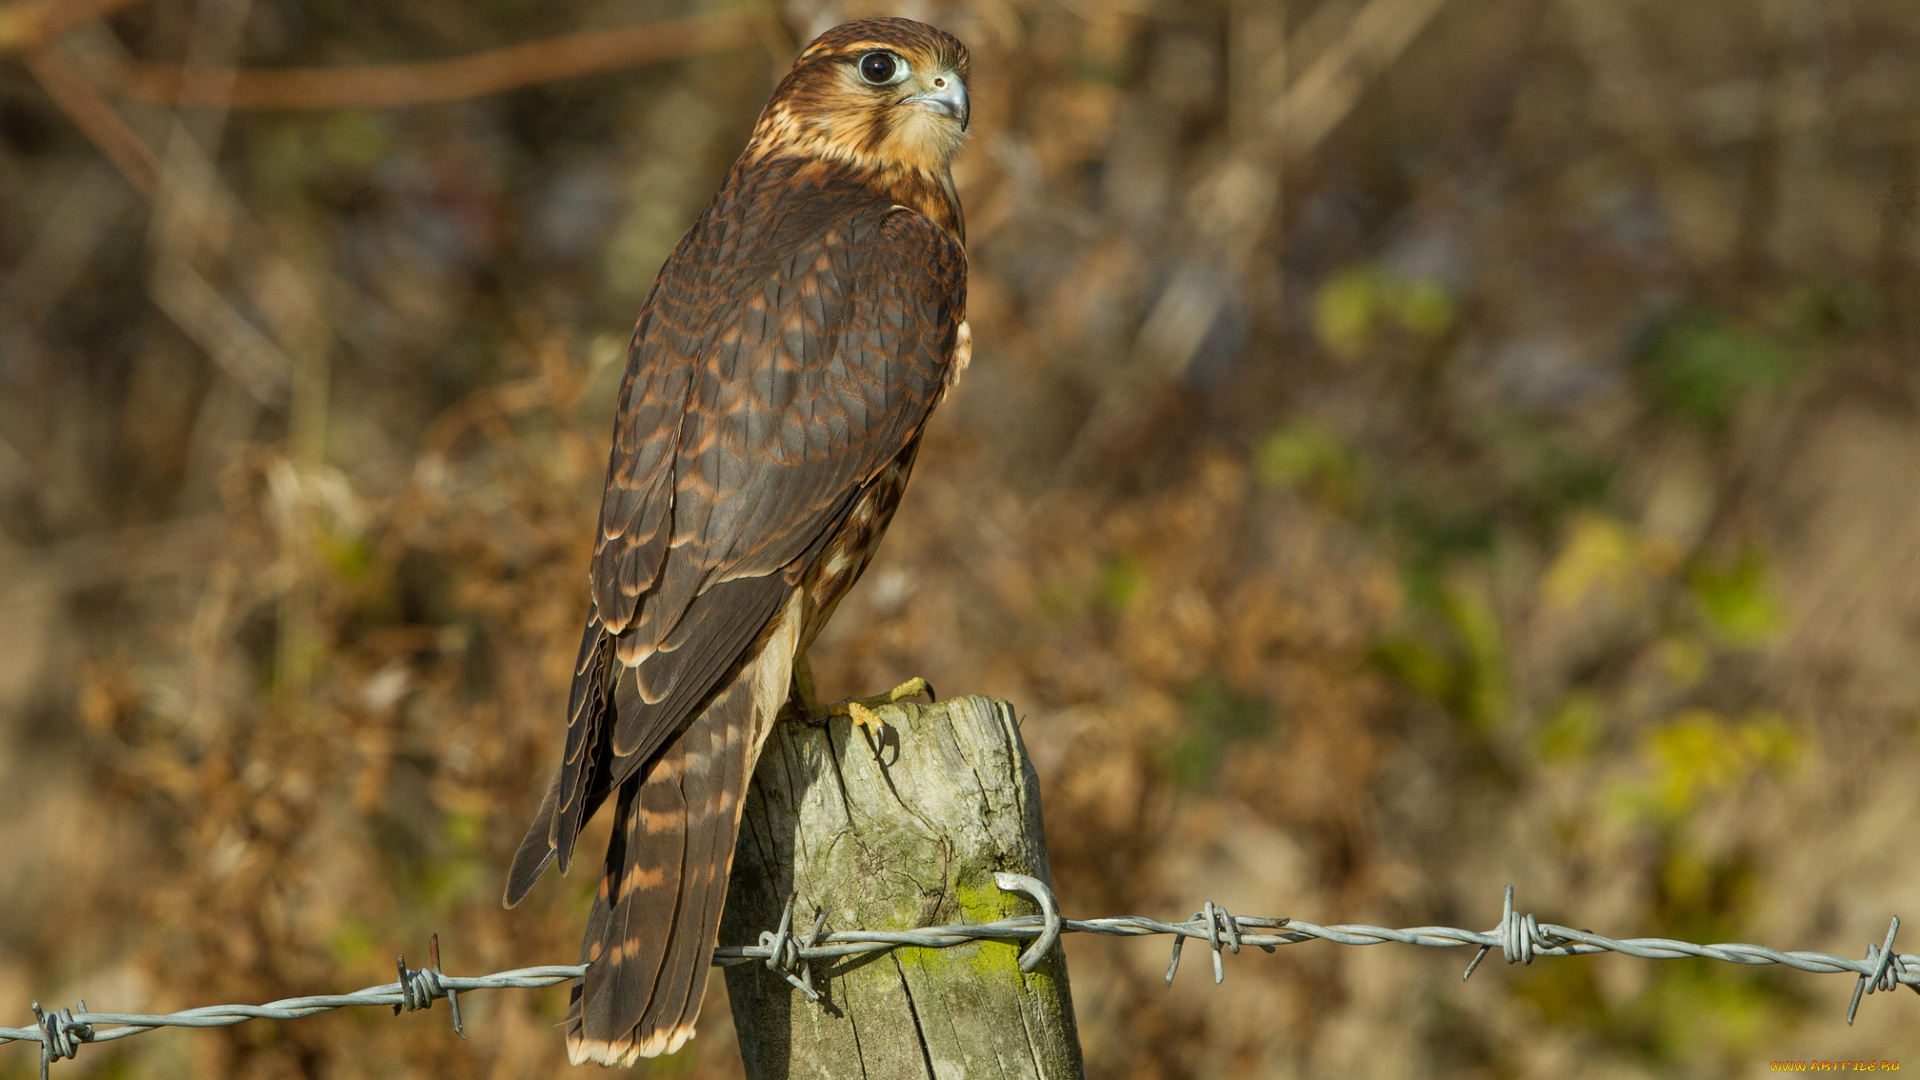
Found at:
[913, 840]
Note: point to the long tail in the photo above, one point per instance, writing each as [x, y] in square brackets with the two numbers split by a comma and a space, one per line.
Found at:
[651, 935]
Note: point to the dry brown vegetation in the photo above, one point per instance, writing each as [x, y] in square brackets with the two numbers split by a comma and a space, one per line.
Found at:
[1473, 444]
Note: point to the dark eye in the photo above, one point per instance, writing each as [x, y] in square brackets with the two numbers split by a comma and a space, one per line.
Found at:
[878, 67]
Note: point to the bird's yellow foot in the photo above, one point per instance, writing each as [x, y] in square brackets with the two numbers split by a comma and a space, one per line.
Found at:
[861, 710]
[872, 728]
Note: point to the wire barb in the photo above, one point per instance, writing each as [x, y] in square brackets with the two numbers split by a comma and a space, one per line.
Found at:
[1217, 925]
[1883, 974]
[419, 988]
[1517, 939]
[453, 996]
[785, 953]
[60, 1035]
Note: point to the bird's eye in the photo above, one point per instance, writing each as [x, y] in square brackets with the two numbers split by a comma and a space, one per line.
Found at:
[882, 68]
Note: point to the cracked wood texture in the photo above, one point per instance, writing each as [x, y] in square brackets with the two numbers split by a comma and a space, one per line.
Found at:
[912, 840]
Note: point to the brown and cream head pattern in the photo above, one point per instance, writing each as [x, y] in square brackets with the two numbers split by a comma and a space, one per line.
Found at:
[876, 93]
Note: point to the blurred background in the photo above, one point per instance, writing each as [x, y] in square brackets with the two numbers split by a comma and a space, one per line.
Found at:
[1411, 446]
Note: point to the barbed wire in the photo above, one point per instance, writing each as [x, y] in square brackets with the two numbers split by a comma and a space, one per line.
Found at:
[1521, 939]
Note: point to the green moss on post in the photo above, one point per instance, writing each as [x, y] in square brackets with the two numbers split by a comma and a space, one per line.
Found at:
[913, 841]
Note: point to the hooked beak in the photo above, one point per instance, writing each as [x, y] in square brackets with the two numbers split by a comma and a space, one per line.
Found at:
[948, 96]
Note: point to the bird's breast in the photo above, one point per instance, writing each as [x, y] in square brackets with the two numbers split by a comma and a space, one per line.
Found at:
[846, 555]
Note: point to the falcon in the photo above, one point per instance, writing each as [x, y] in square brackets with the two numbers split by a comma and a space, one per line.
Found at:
[776, 390]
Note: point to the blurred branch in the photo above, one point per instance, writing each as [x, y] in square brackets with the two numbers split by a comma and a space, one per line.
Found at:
[1332, 84]
[97, 119]
[242, 351]
[64, 242]
[96, 559]
[387, 85]
[1322, 27]
[27, 26]
[1346, 46]
[180, 290]
[1631, 94]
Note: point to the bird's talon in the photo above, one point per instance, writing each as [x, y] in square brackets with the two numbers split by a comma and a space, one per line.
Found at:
[915, 685]
[872, 728]
[861, 709]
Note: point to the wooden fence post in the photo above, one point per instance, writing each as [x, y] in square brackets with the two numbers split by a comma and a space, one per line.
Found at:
[911, 840]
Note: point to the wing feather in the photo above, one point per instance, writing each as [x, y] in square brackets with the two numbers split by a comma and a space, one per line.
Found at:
[774, 443]
[789, 354]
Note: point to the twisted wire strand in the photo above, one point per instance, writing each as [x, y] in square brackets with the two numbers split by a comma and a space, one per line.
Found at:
[1520, 938]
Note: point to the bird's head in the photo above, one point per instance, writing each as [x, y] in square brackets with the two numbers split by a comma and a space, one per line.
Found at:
[875, 93]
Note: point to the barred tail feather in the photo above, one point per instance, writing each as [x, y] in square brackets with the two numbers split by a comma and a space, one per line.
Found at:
[650, 937]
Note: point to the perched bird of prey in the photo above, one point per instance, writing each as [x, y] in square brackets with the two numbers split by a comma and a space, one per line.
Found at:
[776, 390]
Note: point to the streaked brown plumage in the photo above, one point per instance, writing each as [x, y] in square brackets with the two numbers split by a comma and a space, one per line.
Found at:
[776, 389]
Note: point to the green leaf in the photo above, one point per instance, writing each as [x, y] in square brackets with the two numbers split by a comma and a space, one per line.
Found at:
[1345, 309]
[1573, 730]
[1736, 599]
[1307, 457]
[1218, 716]
[1700, 366]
